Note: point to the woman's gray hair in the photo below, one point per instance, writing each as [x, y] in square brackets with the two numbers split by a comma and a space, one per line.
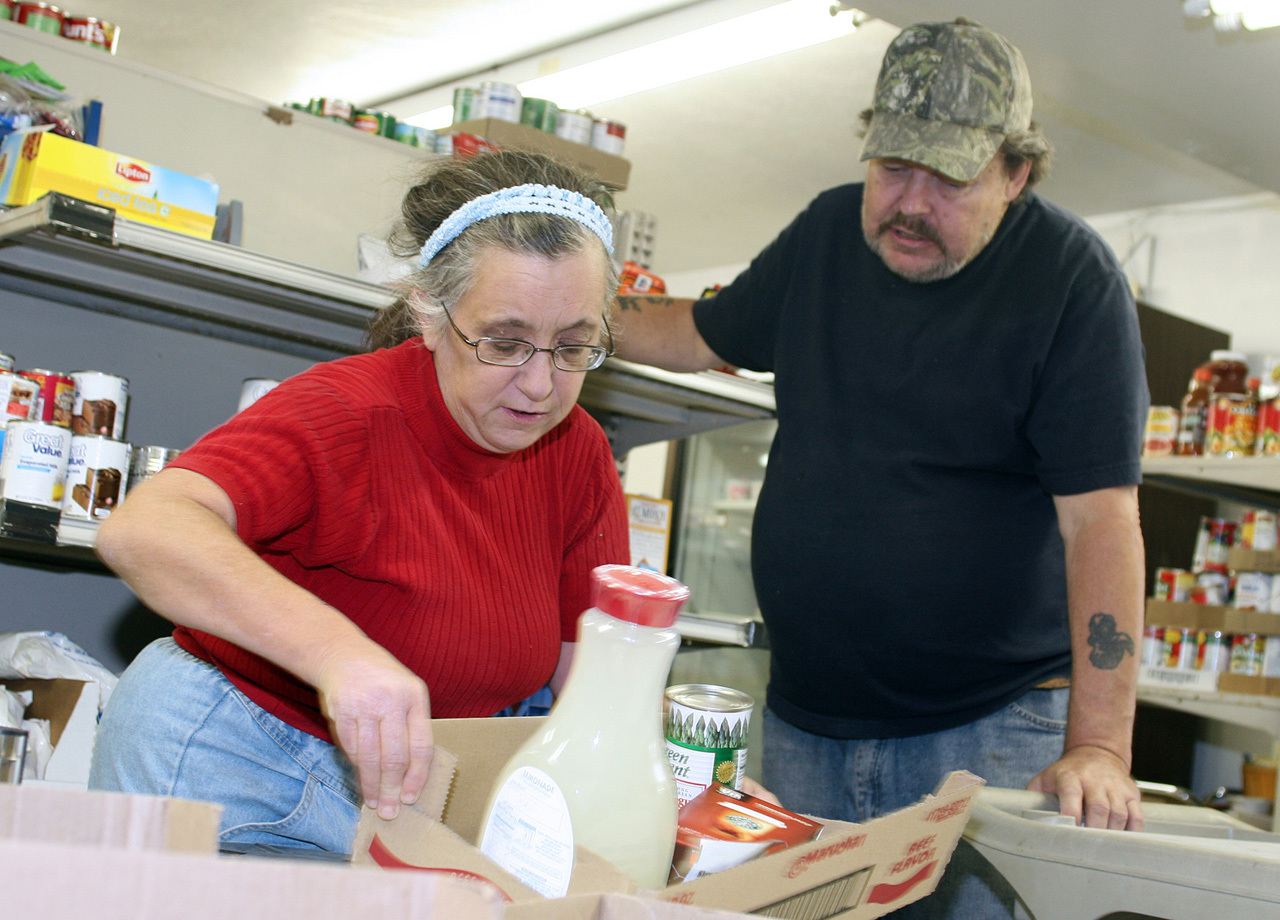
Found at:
[445, 187]
[1029, 146]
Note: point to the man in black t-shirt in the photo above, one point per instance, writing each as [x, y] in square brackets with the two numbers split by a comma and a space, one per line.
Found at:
[947, 537]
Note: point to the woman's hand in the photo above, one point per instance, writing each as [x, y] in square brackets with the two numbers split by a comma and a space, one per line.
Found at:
[380, 715]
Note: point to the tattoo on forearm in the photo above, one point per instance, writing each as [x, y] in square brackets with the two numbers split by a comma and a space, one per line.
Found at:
[636, 304]
[1109, 646]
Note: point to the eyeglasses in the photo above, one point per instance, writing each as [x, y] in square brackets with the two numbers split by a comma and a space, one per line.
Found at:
[515, 352]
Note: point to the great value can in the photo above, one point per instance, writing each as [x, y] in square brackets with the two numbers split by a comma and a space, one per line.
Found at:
[498, 100]
[18, 396]
[56, 397]
[101, 401]
[97, 476]
[706, 728]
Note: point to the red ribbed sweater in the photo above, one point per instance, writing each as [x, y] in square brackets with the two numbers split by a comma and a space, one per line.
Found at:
[353, 480]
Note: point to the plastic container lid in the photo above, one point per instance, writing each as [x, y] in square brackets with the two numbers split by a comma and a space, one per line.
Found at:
[636, 595]
[1224, 354]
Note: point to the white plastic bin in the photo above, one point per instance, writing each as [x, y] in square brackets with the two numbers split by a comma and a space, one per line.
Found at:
[1190, 863]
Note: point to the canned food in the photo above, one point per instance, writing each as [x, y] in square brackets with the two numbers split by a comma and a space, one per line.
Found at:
[539, 113]
[33, 470]
[1246, 654]
[339, 110]
[464, 104]
[1173, 584]
[97, 476]
[1232, 426]
[498, 100]
[610, 136]
[147, 461]
[706, 728]
[86, 29]
[1162, 426]
[253, 389]
[1213, 652]
[1180, 648]
[43, 17]
[1213, 542]
[574, 126]
[100, 404]
[1258, 530]
[415, 136]
[56, 397]
[6, 12]
[1210, 588]
[383, 124]
[1153, 645]
[1253, 591]
[6, 361]
[18, 396]
[1268, 440]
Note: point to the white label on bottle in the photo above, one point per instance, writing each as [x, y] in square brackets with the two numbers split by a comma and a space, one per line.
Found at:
[529, 832]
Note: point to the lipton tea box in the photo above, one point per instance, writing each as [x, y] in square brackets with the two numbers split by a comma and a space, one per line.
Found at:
[34, 163]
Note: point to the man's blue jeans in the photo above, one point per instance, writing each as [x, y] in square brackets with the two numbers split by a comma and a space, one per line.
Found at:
[856, 779]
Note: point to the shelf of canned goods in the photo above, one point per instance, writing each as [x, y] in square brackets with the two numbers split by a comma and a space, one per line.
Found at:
[1244, 696]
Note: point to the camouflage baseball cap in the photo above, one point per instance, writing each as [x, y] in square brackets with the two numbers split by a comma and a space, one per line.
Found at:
[947, 94]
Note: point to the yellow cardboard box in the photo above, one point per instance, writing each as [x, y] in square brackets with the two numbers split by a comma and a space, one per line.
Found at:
[37, 162]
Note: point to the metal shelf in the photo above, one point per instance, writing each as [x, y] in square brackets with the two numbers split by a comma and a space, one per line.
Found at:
[1254, 480]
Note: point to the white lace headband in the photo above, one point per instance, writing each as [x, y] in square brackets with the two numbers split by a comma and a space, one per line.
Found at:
[520, 199]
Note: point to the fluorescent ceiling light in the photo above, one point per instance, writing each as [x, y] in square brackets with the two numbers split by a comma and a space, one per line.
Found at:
[774, 30]
[1233, 15]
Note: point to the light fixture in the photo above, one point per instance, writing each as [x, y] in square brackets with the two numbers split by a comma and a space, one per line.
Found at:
[1235, 15]
[650, 64]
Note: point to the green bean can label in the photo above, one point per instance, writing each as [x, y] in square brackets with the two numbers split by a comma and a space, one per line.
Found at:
[706, 728]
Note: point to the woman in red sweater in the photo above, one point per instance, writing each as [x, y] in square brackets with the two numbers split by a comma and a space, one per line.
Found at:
[385, 538]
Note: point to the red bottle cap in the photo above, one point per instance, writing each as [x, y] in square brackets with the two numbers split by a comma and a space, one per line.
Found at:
[639, 596]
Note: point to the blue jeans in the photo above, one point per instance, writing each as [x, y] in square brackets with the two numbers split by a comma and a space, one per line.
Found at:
[176, 726]
[859, 779]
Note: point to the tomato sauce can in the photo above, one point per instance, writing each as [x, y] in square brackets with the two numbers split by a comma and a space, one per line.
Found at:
[101, 401]
[1268, 441]
[706, 729]
[56, 397]
[87, 29]
[609, 136]
[43, 17]
[1232, 426]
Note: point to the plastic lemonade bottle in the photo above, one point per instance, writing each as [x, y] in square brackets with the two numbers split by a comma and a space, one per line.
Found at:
[597, 774]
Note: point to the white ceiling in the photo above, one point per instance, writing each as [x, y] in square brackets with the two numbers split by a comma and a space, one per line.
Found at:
[1145, 109]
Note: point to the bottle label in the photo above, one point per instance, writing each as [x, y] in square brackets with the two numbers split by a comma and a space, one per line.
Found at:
[529, 832]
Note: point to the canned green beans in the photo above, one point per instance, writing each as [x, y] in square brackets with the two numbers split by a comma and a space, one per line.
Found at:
[706, 728]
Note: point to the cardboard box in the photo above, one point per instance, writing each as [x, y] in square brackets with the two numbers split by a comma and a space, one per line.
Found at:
[71, 708]
[612, 170]
[37, 162]
[1188, 615]
[107, 820]
[65, 882]
[857, 871]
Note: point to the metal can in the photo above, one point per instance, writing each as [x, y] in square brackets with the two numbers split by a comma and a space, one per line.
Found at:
[97, 477]
[464, 104]
[56, 397]
[43, 17]
[6, 361]
[6, 12]
[1180, 648]
[1213, 542]
[339, 110]
[383, 124]
[18, 396]
[706, 728]
[539, 113]
[33, 469]
[1162, 430]
[145, 462]
[86, 29]
[253, 389]
[1213, 650]
[610, 136]
[1268, 440]
[1246, 654]
[101, 402]
[574, 126]
[1232, 426]
[1253, 591]
[110, 36]
[1153, 645]
[1210, 588]
[498, 100]
[1172, 584]
[1259, 529]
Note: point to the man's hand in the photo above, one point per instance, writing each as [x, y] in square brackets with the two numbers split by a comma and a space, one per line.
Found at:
[380, 715]
[1093, 786]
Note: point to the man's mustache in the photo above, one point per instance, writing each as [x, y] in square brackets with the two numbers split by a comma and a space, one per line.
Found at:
[916, 225]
